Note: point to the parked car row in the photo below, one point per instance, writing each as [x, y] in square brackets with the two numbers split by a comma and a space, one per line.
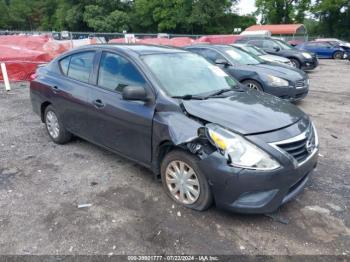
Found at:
[300, 59]
[184, 114]
[325, 48]
[274, 78]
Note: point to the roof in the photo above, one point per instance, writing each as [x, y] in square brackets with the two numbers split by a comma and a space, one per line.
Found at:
[152, 49]
[283, 29]
[140, 49]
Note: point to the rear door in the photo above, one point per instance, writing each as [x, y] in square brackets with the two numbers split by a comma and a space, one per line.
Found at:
[123, 126]
[72, 91]
[312, 47]
[325, 50]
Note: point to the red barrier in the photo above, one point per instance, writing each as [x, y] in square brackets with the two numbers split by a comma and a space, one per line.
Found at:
[22, 54]
[219, 39]
[176, 41]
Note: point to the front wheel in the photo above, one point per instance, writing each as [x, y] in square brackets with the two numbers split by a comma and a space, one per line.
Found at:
[338, 55]
[295, 63]
[252, 84]
[55, 128]
[183, 181]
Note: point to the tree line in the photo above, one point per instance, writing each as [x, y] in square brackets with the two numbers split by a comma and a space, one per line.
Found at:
[148, 16]
[322, 17]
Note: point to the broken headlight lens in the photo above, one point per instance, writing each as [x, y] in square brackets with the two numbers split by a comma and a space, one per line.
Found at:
[239, 151]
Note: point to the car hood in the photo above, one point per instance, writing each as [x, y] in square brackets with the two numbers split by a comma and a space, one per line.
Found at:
[275, 58]
[283, 71]
[247, 113]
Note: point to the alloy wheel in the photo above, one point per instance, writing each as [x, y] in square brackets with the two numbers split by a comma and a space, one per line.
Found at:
[182, 182]
[338, 55]
[52, 124]
[253, 86]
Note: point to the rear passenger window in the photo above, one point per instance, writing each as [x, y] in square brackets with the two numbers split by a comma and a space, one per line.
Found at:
[81, 65]
[116, 72]
[64, 65]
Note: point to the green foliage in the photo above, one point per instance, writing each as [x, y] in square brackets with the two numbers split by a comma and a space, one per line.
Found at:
[282, 11]
[326, 17]
[334, 18]
[150, 16]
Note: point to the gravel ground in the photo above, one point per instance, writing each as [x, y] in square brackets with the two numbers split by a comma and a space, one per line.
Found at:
[41, 185]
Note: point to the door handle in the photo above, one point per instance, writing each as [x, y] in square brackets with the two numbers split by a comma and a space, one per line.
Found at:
[98, 103]
[55, 89]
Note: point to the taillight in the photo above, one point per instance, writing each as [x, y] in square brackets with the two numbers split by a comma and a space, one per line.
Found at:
[33, 76]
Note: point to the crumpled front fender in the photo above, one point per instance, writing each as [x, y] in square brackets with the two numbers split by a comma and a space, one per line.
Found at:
[174, 128]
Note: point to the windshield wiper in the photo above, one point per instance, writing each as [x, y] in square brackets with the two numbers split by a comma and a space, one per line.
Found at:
[214, 94]
[218, 92]
[189, 97]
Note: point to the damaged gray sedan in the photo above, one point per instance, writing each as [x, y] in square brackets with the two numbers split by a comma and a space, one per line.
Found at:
[201, 132]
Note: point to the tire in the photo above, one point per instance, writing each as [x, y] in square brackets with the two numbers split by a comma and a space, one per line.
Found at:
[204, 199]
[252, 84]
[338, 55]
[59, 135]
[295, 62]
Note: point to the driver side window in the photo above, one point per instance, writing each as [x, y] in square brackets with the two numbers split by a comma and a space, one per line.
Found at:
[268, 44]
[211, 55]
[116, 72]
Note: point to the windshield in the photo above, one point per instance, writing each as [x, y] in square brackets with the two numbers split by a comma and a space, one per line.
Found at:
[253, 50]
[283, 44]
[183, 74]
[242, 57]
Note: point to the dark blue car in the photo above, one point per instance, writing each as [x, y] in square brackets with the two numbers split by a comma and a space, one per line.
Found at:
[323, 49]
[204, 136]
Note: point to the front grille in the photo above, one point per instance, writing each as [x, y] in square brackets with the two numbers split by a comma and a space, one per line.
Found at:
[301, 147]
[301, 83]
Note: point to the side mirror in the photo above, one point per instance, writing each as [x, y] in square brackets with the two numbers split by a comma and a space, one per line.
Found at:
[276, 48]
[223, 62]
[135, 93]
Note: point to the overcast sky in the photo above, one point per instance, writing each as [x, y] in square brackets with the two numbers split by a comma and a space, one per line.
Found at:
[246, 6]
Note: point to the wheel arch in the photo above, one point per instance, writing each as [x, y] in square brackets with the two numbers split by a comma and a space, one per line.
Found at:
[337, 51]
[43, 107]
[253, 79]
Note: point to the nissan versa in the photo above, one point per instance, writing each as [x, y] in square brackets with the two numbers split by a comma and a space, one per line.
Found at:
[280, 80]
[207, 137]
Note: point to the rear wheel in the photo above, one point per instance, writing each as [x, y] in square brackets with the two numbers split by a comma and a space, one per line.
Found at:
[295, 62]
[183, 181]
[55, 128]
[252, 84]
[338, 55]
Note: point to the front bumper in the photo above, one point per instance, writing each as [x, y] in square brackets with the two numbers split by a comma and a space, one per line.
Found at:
[290, 93]
[310, 64]
[252, 191]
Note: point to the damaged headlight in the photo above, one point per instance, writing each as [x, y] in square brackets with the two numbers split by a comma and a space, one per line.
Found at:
[239, 151]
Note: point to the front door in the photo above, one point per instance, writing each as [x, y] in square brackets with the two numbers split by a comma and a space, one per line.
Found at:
[123, 126]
